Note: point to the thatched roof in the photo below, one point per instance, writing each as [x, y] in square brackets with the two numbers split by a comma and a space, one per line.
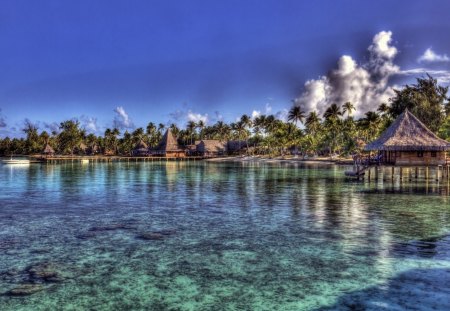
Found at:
[408, 133]
[48, 149]
[211, 146]
[82, 146]
[168, 143]
[141, 145]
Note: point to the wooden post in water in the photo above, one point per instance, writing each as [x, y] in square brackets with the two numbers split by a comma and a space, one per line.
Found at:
[376, 173]
[426, 173]
[401, 174]
[417, 172]
[368, 173]
[392, 173]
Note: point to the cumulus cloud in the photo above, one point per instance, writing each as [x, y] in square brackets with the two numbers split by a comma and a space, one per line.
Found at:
[257, 113]
[2, 120]
[365, 85]
[429, 56]
[183, 115]
[196, 117]
[122, 120]
[89, 124]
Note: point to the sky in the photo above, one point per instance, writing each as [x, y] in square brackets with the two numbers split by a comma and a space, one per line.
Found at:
[126, 63]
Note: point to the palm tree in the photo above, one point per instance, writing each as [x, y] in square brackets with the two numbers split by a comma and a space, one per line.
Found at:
[383, 109]
[201, 126]
[312, 123]
[247, 122]
[348, 107]
[332, 123]
[333, 112]
[296, 115]
[190, 127]
[371, 124]
[222, 130]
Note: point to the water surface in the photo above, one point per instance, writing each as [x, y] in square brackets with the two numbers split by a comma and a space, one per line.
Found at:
[220, 236]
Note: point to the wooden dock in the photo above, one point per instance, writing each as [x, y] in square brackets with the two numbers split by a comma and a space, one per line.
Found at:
[108, 159]
[402, 173]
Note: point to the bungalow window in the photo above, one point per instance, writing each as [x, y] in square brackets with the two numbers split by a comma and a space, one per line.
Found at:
[433, 154]
[420, 154]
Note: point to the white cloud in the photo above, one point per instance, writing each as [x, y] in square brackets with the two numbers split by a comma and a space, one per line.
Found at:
[381, 45]
[196, 117]
[122, 120]
[89, 124]
[182, 116]
[429, 56]
[365, 85]
[443, 76]
[257, 113]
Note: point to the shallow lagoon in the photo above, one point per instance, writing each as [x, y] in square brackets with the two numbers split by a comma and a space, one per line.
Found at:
[223, 236]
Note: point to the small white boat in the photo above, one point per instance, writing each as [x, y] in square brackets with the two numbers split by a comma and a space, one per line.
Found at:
[16, 162]
[84, 161]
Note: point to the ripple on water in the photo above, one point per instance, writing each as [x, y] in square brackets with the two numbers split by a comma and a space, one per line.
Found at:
[200, 236]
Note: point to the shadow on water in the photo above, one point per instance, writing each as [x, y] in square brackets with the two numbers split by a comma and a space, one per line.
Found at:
[415, 289]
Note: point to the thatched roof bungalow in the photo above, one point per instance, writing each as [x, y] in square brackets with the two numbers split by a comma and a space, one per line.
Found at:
[141, 149]
[168, 147]
[48, 150]
[210, 148]
[409, 142]
[93, 150]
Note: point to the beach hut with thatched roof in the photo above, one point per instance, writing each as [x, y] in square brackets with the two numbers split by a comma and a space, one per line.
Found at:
[141, 149]
[409, 142]
[168, 147]
[211, 148]
[48, 150]
[93, 150]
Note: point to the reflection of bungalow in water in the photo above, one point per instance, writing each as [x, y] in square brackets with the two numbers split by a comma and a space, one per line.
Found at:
[211, 148]
[141, 149]
[409, 142]
[168, 147]
[48, 150]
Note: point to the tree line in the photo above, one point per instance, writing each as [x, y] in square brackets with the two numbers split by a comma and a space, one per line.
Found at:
[336, 131]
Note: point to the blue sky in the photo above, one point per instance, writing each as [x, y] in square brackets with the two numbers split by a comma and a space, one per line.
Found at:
[131, 62]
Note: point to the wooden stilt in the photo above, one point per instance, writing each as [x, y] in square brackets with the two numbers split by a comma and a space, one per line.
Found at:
[426, 173]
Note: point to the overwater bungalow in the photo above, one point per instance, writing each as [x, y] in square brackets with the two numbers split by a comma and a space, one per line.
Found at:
[409, 142]
[168, 147]
[211, 148]
[141, 149]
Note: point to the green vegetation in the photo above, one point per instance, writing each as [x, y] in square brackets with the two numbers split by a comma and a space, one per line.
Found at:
[334, 132]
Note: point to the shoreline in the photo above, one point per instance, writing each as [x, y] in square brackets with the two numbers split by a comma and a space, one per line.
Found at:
[321, 160]
[229, 159]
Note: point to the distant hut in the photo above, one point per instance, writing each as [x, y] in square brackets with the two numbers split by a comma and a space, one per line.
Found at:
[409, 142]
[211, 148]
[48, 150]
[81, 149]
[93, 150]
[168, 147]
[141, 149]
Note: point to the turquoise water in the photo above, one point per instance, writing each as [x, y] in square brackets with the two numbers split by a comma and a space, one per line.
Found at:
[219, 236]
